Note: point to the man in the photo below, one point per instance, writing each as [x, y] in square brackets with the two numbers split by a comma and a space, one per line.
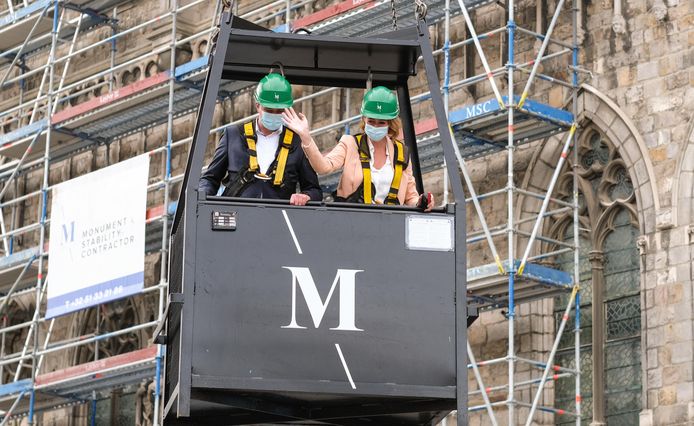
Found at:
[262, 158]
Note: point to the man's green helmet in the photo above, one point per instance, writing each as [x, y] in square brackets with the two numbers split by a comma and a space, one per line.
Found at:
[380, 103]
[274, 91]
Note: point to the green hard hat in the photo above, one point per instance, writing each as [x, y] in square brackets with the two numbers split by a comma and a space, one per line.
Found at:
[274, 91]
[380, 103]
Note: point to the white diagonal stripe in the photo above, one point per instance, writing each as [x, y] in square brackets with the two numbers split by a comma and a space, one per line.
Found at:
[291, 231]
[344, 364]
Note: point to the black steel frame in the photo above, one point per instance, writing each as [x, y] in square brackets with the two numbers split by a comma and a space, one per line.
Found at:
[184, 222]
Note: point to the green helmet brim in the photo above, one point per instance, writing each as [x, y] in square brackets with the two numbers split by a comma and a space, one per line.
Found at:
[382, 116]
[275, 105]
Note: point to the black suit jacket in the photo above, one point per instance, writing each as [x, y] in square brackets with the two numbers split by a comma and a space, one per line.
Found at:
[231, 157]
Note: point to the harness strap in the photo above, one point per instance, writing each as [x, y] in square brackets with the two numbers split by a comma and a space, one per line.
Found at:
[249, 132]
[281, 161]
[398, 167]
[365, 160]
[286, 144]
[399, 149]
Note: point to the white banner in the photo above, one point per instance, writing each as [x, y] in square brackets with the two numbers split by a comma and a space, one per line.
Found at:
[97, 237]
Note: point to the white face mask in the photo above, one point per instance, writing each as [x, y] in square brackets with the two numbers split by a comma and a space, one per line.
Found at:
[375, 133]
[271, 122]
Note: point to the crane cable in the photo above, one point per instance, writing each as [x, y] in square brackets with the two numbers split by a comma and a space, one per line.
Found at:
[394, 15]
[420, 10]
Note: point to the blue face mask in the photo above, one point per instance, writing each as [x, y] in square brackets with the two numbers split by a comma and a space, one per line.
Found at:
[271, 122]
[376, 133]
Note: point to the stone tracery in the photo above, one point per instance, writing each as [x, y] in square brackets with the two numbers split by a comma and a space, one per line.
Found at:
[611, 355]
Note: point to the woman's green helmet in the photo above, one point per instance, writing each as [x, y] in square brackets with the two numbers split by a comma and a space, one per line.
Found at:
[274, 91]
[380, 103]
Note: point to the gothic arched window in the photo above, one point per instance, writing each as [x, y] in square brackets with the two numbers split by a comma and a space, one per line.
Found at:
[610, 289]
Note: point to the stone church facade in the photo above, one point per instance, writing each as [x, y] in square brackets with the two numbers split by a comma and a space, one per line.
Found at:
[636, 178]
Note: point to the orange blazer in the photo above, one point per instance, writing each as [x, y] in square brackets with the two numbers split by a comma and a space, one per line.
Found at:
[345, 157]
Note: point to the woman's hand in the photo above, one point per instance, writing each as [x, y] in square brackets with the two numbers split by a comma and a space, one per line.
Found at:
[426, 202]
[298, 123]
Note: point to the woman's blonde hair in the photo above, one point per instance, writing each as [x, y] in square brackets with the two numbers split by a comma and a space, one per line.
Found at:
[394, 127]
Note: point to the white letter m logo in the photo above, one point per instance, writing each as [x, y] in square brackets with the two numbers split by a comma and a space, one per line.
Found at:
[345, 277]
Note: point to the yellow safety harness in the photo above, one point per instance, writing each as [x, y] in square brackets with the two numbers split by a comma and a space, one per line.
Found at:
[398, 167]
[281, 161]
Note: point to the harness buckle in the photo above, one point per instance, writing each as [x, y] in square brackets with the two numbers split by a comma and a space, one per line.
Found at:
[262, 176]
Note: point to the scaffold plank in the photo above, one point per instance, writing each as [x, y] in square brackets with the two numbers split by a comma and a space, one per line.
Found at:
[331, 12]
[110, 98]
[135, 106]
[470, 115]
[15, 143]
[15, 27]
[22, 13]
[8, 139]
[11, 267]
[95, 369]
[366, 17]
[15, 387]
[191, 67]
[487, 289]
[93, 18]
[120, 112]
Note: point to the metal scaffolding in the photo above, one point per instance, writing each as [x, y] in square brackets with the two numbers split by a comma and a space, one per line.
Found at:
[53, 126]
[49, 123]
[501, 123]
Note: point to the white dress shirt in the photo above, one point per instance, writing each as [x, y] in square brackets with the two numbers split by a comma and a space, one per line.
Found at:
[381, 178]
[266, 147]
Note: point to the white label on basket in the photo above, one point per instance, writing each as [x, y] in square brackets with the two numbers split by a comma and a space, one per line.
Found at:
[429, 233]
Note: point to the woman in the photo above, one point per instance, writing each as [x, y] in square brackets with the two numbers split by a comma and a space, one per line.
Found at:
[374, 156]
